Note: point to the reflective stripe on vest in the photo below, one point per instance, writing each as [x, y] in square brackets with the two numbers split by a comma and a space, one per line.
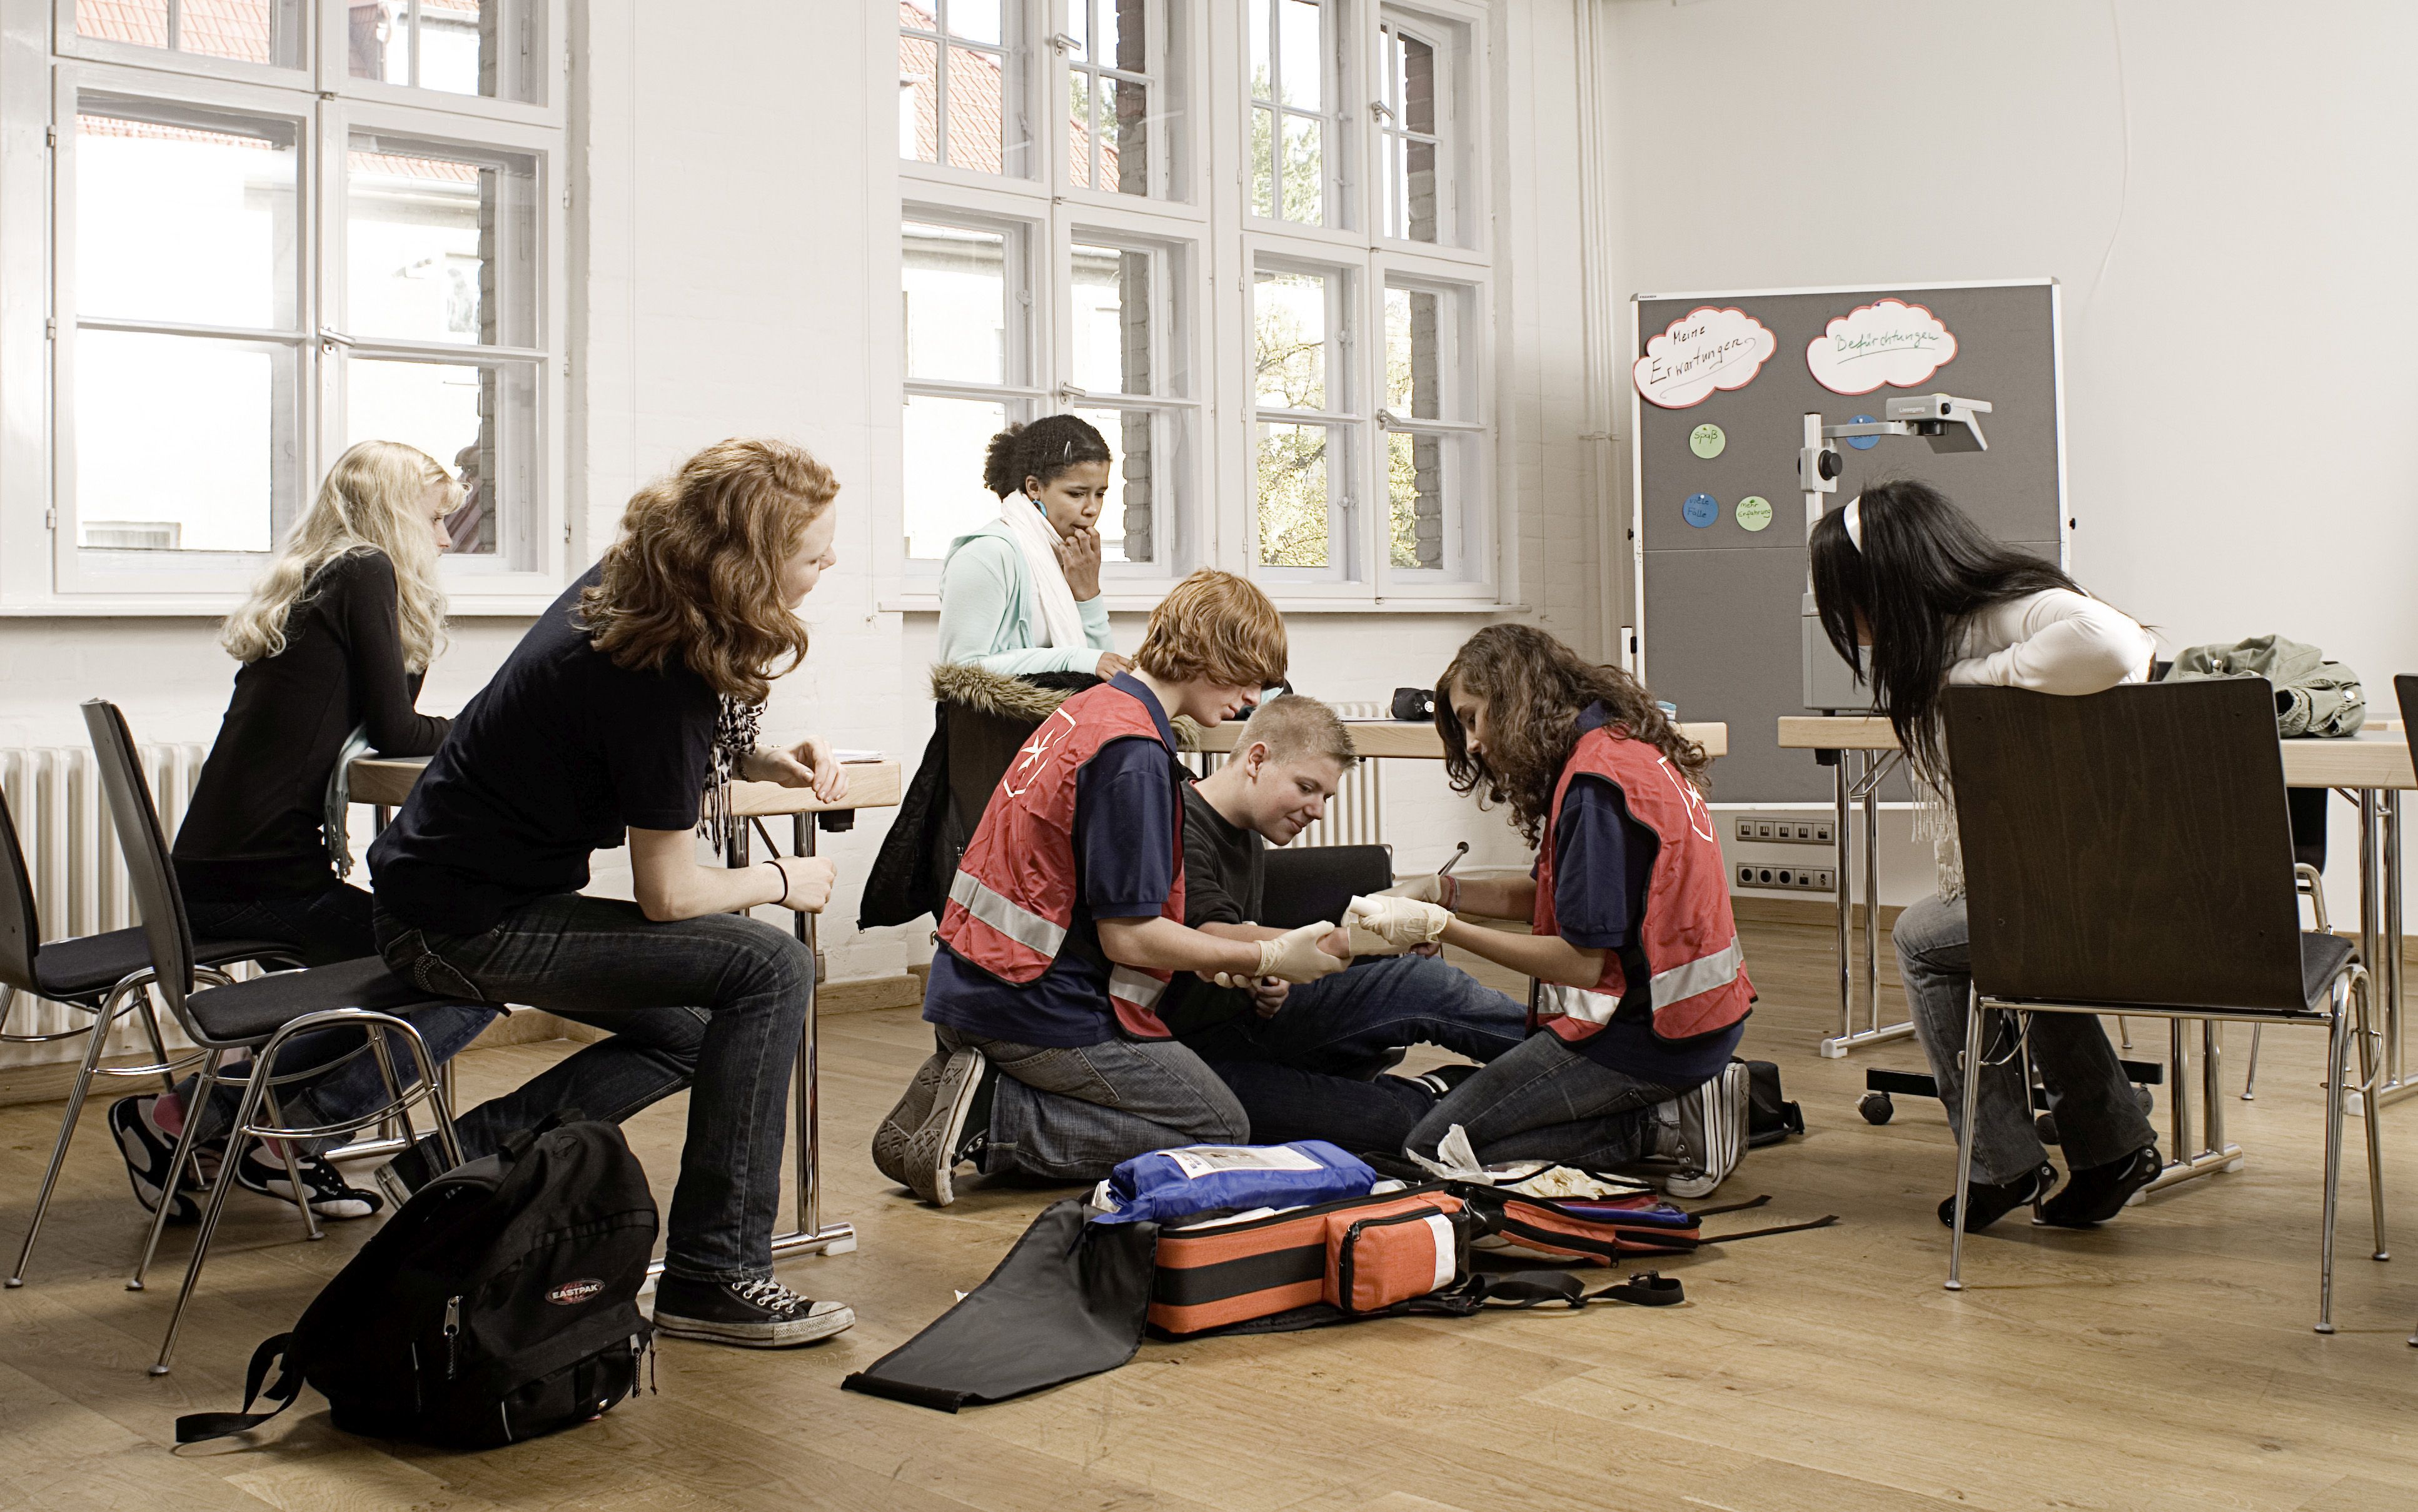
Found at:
[1141, 990]
[1019, 924]
[1702, 974]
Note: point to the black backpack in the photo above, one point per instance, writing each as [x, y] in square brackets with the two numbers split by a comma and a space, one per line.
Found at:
[498, 1304]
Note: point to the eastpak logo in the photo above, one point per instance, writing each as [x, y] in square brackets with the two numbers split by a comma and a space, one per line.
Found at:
[572, 1293]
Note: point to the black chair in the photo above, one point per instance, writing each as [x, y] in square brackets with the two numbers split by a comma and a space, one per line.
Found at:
[105, 976]
[2130, 852]
[260, 1017]
[1305, 884]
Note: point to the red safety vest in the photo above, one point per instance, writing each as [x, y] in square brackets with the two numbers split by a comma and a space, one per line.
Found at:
[1689, 936]
[1010, 910]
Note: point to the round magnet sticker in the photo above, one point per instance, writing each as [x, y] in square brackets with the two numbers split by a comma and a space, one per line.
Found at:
[1707, 441]
[1863, 443]
[1754, 513]
[1701, 509]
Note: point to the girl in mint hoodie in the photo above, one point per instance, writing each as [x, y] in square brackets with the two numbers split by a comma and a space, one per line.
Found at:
[1022, 594]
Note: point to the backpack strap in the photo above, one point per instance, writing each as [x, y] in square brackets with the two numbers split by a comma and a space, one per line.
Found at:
[518, 1143]
[1520, 1289]
[1823, 1222]
[194, 1428]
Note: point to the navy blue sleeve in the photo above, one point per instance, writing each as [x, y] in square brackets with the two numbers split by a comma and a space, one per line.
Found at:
[1602, 862]
[1124, 829]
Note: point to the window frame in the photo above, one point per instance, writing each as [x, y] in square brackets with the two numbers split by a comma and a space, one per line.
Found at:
[336, 81]
[1453, 34]
[68, 43]
[1022, 41]
[1168, 80]
[1176, 348]
[1347, 416]
[1470, 524]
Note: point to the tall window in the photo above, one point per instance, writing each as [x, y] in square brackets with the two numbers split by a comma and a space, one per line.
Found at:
[269, 248]
[1292, 64]
[1071, 290]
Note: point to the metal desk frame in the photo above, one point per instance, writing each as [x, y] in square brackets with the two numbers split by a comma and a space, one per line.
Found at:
[1859, 783]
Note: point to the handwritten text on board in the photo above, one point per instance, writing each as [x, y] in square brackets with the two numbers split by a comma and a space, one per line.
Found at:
[1702, 350]
[1893, 342]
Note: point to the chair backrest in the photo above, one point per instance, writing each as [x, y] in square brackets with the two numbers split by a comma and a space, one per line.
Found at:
[132, 814]
[2130, 847]
[2404, 690]
[1305, 884]
[20, 926]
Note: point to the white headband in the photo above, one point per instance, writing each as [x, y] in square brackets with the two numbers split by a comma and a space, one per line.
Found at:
[1856, 522]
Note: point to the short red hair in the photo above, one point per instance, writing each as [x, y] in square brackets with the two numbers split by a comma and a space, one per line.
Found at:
[1215, 628]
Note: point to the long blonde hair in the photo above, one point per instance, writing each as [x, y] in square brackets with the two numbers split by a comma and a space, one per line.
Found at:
[369, 502]
[697, 574]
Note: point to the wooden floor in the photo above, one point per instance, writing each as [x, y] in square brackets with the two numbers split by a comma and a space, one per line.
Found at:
[2167, 1361]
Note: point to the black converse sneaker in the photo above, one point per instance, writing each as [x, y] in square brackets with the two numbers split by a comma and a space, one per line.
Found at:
[2095, 1194]
[323, 1185]
[147, 1149]
[761, 1314]
[953, 1129]
[1985, 1205]
[897, 1131]
[1444, 1078]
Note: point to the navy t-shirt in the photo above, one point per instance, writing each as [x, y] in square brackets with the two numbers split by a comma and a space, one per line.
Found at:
[1126, 800]
[556, 757]
[1603, 861]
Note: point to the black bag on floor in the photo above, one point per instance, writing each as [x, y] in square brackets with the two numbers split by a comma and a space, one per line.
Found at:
[498, 1304]
[1769, 1117]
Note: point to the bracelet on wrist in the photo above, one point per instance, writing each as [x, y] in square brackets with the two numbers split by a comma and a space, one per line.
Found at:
[781, 872]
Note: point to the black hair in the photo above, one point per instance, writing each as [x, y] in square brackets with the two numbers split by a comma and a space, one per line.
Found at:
[1040, 451]
[1923, 569]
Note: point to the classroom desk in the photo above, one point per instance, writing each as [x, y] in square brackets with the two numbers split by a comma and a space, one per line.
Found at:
[1417, 741]
[2372, 769]
[383, 783]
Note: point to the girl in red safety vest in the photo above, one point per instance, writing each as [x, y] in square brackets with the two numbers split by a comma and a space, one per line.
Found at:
[1630, 903]
[1065, 921]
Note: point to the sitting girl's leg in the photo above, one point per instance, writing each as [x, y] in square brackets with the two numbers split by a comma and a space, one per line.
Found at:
[1545, 1101]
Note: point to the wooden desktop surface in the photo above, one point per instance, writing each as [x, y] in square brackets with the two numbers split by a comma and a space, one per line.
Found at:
[388, 780]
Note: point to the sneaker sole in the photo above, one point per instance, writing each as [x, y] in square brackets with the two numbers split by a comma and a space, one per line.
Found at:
[131, 1147]
[929, 1171]
[759, 1335]
[891, 1138]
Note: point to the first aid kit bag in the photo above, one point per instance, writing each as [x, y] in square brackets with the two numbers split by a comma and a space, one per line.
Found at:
[1168, 1185]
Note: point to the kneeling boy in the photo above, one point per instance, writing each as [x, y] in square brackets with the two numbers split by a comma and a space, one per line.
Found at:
[1067, 922]
[1306, 1062]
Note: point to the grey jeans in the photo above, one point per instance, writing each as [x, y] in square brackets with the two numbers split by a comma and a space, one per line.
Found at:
[2097, 1119]
[1074, 1114]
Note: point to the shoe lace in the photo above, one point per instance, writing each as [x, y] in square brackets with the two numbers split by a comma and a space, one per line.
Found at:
[771, 1295]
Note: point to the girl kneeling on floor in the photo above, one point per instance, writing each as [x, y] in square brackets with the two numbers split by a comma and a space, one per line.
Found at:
[1634, 940]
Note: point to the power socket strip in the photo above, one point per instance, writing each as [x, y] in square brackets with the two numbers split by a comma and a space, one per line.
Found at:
[1797, 878]
[1786, 831]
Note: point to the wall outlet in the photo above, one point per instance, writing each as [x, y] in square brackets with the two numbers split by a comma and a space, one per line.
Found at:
[1759, 831]
[1790, 878]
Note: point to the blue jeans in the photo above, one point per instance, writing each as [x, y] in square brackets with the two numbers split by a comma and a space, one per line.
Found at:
[2098, 1120]
[324, 926]
[1546, 1101]
[1314, 1071]
[1075, 1114]
[718, 1002]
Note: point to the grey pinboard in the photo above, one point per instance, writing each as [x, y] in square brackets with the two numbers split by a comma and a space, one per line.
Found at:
[1718, 605]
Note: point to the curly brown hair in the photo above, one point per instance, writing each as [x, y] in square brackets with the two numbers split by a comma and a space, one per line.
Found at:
[698, 571]
[1534, 689]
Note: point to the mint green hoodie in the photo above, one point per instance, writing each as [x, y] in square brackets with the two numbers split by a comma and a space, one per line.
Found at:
[991, 617]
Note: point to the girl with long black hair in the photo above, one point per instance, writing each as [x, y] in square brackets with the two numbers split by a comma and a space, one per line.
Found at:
[1918, 597]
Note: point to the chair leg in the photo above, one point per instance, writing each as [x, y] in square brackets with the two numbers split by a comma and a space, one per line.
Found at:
[205, 1087]
[101, 1021]
[2338, 1055]
[1971, 1061]
[246, 1112]
[2250, 1082]
[2371, 1079]
[286, 1152]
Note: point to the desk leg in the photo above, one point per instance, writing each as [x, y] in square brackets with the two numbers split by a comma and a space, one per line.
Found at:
[1871, 895]
[1842, 854]
[2381, 938]
[1862, 784]
[2193, 1157]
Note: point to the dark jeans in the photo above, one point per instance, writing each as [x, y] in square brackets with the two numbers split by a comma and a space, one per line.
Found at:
[326, 927]
[1314, 1070]
[1545, 1101]
[718, 1001]
[1075, 1113]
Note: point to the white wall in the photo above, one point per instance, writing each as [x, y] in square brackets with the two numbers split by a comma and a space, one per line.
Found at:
[734, 268]
[2224, 187]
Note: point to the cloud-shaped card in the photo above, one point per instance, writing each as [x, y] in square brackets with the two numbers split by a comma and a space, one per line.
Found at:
[1702, 350]
[1889, 343]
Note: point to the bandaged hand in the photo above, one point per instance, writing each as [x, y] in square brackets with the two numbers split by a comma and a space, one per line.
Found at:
[1443, 891]
[1384, 926]
[1294, 956]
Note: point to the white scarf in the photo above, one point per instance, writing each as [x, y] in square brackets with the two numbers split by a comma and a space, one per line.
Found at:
[1039, 543]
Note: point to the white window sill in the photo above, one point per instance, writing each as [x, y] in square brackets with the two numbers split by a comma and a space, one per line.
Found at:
[1142, 603]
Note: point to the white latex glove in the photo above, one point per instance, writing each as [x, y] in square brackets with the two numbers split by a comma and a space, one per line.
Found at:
[1383, 925]
[1445, 892]
[1294, 956]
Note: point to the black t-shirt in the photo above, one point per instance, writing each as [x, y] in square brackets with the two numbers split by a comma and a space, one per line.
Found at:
[256, 827]
[551, 762]
[1225, 881]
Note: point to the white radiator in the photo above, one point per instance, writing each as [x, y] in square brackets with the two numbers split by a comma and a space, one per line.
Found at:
[71, 853]
[1356, 815]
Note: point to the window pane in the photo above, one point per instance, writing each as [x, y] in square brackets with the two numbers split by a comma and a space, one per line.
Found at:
[1264, 76]
[1417, 472]
[1078, 128]
[377, 41]
[1291, 333]
[977, 117]
[1263, 160]
[1305, 170]
[457, 46]
[461, 47]
[1301, 75]
[1295, 522]
[1112, 320]
[183, 443]
[976, 21]
[185, 215]
[480, 422]
[1125, 146]
[919, 100]
[247, 30]
[1126, 519]
[1417, 349]
[1079, 29]
[956, 304]
[944, 496]
[441, 242]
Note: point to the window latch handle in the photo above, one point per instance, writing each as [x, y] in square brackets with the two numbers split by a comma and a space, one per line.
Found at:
[1064, 43]
[331, 336]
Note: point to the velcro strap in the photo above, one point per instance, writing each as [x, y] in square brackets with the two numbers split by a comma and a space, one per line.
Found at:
[1646, 1289]
[194, 1428]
